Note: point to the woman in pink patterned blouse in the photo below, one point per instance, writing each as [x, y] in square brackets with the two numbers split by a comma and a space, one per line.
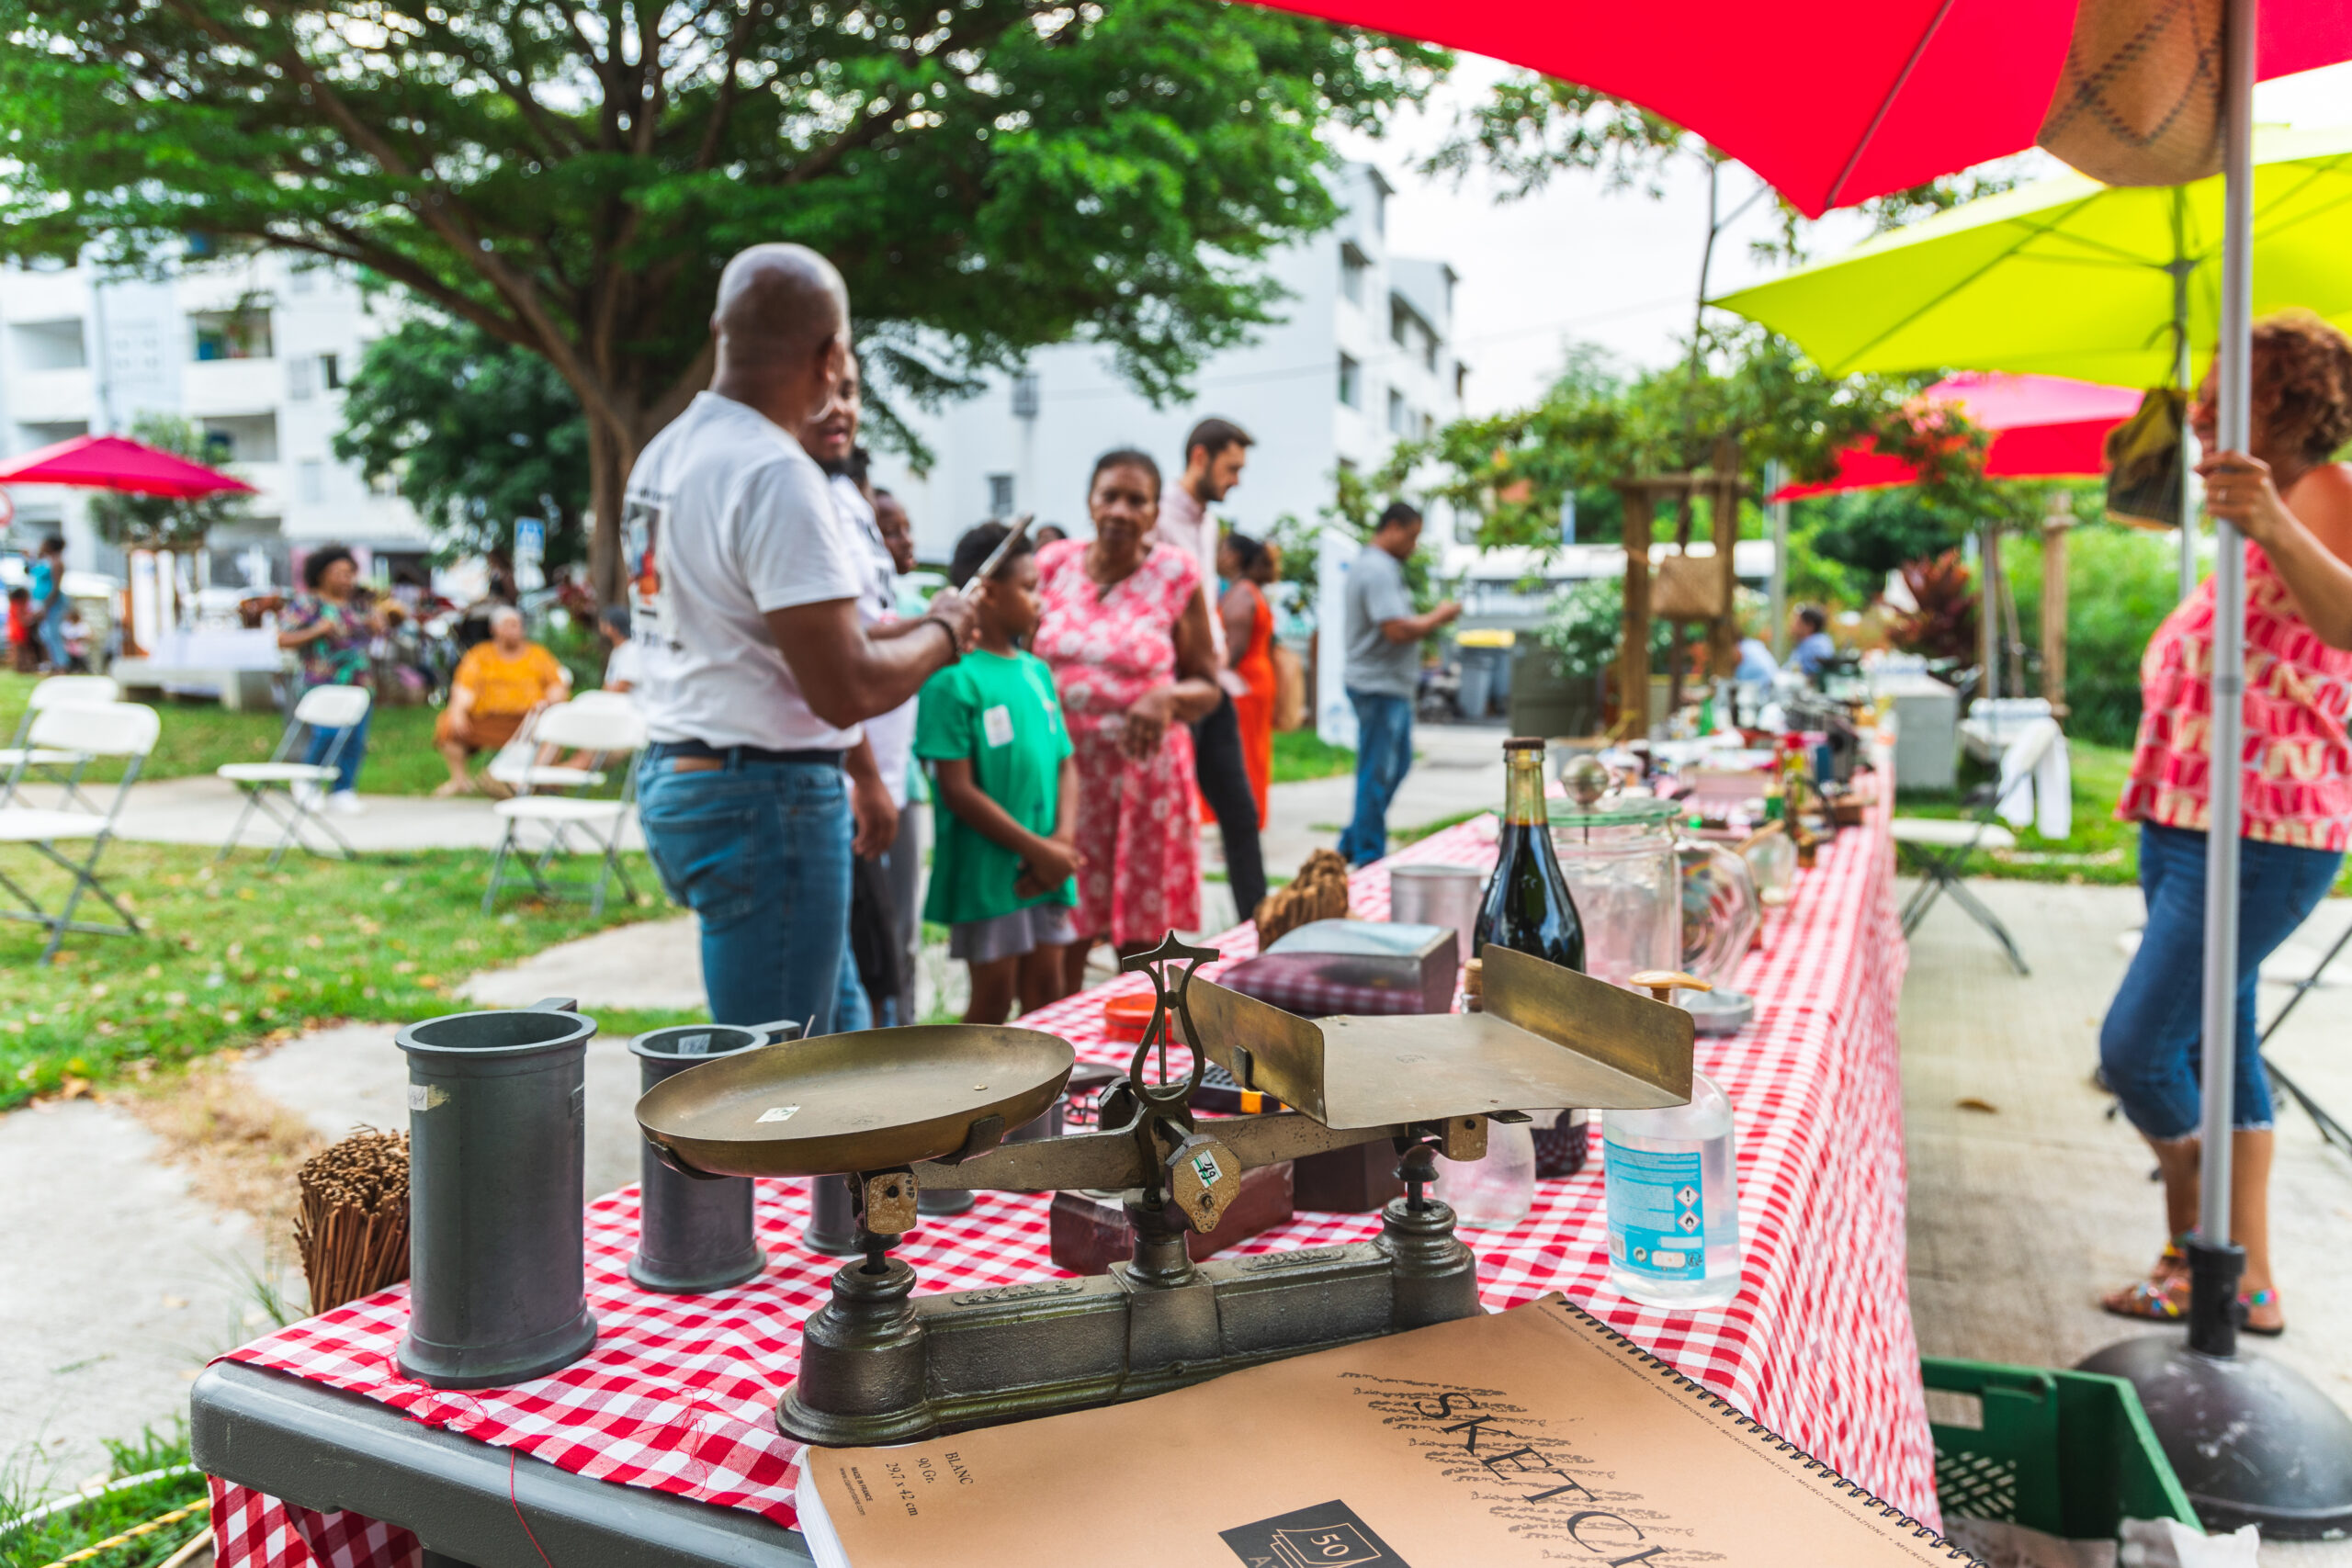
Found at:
[1124, 627]
[2288, 494]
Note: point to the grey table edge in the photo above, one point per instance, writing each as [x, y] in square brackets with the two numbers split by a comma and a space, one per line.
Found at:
[323, 1449]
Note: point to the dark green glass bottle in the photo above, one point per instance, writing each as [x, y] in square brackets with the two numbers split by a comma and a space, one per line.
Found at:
[1527, 907]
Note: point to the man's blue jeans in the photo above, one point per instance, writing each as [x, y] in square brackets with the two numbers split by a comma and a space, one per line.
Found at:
[761, 852]
[347, 761]
[2151, 1041]
[1384, 753]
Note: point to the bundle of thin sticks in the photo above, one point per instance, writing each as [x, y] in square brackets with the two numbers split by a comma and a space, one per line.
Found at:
[353, 1230]
[1319, 892]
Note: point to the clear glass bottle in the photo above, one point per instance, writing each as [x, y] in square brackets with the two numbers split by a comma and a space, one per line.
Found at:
[1496, 1191]
[1673, 1195]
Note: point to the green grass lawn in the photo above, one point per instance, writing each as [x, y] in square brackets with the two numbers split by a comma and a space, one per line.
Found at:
[1303, 754]
[235, 955]
[199, 735]
[2100, 849]
[103, 1519]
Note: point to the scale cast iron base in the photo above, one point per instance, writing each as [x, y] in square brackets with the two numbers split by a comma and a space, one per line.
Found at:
[881, 1365]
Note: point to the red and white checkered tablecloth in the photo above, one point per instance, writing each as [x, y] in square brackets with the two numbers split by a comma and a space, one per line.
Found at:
[680, 1392]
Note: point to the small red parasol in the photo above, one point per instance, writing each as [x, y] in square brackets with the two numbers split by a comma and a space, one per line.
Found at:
[118, 463]
[2043, 427]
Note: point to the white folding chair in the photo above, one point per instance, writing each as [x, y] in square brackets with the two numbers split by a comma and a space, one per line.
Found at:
[1938, 847]
[117, 729]
[609, 730]
[528, 775]
[78, 691]
[322, 707]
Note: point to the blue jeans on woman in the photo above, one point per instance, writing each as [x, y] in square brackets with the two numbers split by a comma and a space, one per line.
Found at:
[2151, 1044]
[1384, 755]
[347, 761]
[760, 850]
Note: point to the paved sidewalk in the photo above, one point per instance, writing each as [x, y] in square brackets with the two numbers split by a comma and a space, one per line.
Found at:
[201, 811]
[2027, 1200]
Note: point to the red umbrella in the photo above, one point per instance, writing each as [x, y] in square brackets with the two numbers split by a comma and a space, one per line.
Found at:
[115, 462]
[2044, 427]
[1831, 101]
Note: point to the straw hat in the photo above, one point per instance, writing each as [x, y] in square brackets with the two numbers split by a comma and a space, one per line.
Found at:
[2140, 102]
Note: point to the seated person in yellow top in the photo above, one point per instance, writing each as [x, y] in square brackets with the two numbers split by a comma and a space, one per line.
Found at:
[499, 683]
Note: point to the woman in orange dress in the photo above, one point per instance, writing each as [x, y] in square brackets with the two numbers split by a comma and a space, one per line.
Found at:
[1249, 639]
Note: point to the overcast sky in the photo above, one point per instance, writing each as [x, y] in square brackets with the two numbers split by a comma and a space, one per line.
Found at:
[1620, 269]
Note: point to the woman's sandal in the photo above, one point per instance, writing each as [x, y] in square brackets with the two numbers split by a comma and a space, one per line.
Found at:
[2162, 1296]
[2248, 1301]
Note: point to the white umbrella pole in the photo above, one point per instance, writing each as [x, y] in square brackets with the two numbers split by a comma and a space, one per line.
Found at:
[2184, 376]
[2214, 1329]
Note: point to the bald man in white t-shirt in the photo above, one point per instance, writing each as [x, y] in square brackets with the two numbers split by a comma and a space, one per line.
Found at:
[759, 669]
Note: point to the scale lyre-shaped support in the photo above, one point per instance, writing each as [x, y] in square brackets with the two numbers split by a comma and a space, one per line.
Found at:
[1190, 1178]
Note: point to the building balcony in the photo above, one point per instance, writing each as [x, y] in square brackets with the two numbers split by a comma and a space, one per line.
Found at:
[214, 388]
[273, 482]
[50, 397]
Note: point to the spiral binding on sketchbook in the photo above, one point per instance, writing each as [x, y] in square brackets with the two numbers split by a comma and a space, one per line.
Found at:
[1747, 1423]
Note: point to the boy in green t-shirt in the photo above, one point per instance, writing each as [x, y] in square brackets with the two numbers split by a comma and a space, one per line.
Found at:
[991, 725]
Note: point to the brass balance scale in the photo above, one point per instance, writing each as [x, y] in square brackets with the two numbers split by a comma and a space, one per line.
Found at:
[903, 1111]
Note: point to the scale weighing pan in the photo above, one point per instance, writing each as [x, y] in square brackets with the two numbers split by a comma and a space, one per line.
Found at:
[1549, 1039]
[854, 1102]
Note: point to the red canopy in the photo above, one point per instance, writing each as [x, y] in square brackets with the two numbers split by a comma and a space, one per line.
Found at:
[2044, 427]
[115, 462]
[1832, 101]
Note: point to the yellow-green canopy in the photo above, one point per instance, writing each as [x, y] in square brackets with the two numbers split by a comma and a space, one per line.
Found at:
[2072, 278]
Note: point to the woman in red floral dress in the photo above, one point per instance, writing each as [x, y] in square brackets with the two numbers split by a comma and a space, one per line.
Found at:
[1126, 629]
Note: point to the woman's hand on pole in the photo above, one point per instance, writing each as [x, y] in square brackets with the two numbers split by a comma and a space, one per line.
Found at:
[2239, 489]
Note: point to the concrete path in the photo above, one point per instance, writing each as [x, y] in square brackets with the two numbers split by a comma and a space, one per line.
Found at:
[2023, 1214]
[119, 1285]
[201, 811]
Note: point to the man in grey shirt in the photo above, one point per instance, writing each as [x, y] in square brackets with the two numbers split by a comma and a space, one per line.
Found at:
[1382, 673]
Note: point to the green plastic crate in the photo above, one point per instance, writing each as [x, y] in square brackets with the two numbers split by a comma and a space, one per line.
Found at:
[2067, 1453]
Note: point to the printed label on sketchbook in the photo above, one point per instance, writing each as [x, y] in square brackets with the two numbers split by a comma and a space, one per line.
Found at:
[1328, 1535]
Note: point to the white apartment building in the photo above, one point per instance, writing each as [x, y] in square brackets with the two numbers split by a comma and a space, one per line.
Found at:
[253, 349]
[1361, 356]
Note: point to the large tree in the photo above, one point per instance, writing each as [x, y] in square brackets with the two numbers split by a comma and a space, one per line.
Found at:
[478, 433]
[569, 175]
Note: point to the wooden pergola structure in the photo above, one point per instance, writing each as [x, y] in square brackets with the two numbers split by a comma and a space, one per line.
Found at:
[1721, 486]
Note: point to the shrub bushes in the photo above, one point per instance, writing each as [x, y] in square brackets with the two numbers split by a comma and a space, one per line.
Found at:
[2120, 583]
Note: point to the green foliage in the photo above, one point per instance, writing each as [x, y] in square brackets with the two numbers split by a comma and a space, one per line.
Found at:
[1874, 532]
[101, 1518]
[1586, 628]
[1594, 427]
[153, 521]
[1299, 543]
[2121, 585]
[991, 176]
[477, 432]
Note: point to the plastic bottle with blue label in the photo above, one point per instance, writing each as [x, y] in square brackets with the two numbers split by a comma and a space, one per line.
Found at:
[1673, 1192]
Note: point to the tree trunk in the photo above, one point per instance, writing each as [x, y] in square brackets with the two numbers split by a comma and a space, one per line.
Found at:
[610, 456]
